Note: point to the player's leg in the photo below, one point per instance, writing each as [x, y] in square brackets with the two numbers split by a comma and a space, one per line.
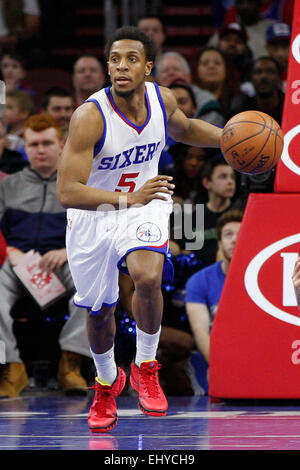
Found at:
[101, 330]
[145, 268]
[110, 379]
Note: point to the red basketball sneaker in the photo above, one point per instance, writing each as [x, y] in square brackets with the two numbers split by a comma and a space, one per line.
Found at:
[103, 413]
[144, 380]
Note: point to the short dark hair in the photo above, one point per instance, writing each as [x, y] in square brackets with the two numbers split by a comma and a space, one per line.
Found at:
[211, 164]
[134, 33]
[270, 59]
[185, 87]
[17, 56]
[233, 215]
[54, 91]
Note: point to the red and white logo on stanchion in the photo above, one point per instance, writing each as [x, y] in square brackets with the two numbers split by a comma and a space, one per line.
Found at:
[257, 280]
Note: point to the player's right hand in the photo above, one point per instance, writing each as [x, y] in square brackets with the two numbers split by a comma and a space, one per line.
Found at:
[153, 189]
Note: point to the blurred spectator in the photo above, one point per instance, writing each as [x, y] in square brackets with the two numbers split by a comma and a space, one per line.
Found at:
[278, 37]
[269, 98]
[203, 292]
[173, 68]
[187, 175]
[173, 152]
[185, 99]
[278, 10]
[248, 15]
[265, 76]
[19, 22]
[218, 178]
[10, 160]
[32, 218]
[212, 76]
[233, 42]
[58, 103]
[2, 175]
[154, 28]
[88, 77]
[17, 109]
[13, 69]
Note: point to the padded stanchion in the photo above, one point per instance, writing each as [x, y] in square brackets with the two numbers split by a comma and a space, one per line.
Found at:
[288, 168]
[255, 339]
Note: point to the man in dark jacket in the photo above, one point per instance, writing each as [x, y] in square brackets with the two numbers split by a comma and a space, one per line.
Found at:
[31, 217]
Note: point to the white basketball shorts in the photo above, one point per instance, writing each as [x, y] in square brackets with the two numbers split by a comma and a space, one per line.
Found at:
[97, 245]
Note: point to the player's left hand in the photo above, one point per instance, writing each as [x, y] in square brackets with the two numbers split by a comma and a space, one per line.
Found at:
[53, 260]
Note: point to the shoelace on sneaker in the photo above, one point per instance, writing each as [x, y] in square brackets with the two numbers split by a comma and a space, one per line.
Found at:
[150, 379]
[103, 400]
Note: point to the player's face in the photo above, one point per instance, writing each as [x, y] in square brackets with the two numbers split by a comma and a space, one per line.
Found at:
[222, 182]
[43, 149]
[61, 109]
[128, 66]
[229, 236]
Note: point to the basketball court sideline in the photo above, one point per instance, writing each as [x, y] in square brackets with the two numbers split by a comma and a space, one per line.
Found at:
[51, 421]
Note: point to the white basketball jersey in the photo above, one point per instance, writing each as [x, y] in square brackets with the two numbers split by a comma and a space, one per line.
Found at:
[128, 155]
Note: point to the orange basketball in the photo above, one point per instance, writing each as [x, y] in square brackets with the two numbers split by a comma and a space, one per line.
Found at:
[252, 142]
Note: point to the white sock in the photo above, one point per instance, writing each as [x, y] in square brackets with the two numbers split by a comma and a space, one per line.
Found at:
[106, 366]
[146, 346]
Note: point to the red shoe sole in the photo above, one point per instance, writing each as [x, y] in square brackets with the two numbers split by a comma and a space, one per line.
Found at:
[106, 429]
[151, 412]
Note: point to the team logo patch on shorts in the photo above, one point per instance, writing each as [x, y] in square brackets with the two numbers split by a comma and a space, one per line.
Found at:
[148, 232]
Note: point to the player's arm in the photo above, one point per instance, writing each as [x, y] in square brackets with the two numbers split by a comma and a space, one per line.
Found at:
[86, 129]
[198, 316]
[193, 132]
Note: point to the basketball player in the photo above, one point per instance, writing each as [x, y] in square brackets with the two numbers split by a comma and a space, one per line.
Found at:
[118, 211]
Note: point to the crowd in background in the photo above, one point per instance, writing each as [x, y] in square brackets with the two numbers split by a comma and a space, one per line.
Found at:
[242, 67]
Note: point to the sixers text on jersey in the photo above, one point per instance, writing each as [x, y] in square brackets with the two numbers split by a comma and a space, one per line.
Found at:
[137, 154]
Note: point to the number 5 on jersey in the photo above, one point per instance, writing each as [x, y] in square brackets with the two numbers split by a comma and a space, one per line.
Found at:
[126, 181]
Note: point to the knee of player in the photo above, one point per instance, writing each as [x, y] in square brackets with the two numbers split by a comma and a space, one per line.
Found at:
[148, 282]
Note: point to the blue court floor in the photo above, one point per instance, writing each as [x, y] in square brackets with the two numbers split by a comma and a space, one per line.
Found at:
[52, 421]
